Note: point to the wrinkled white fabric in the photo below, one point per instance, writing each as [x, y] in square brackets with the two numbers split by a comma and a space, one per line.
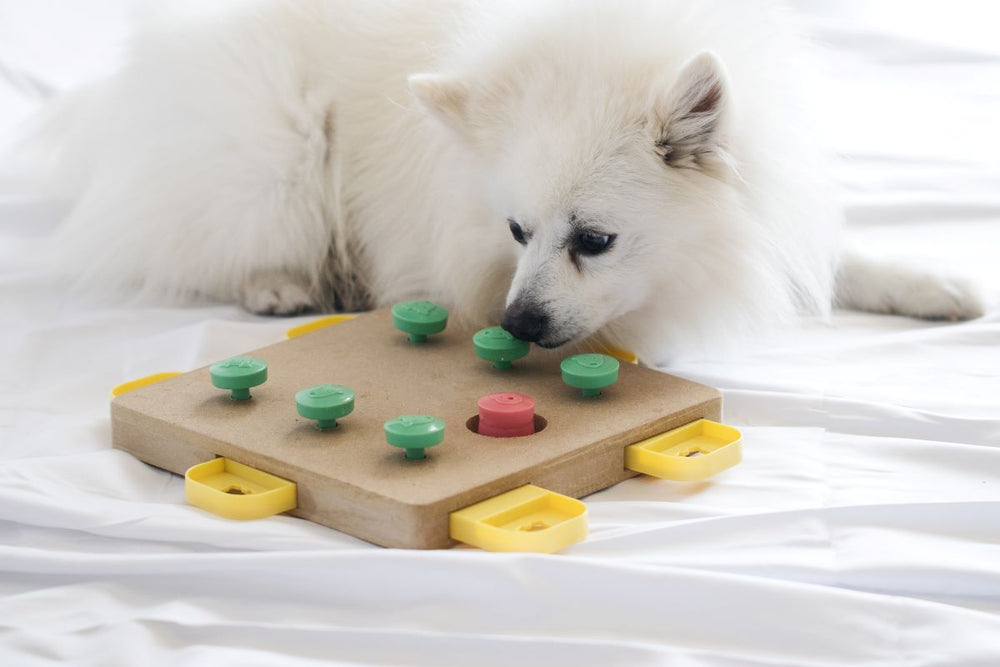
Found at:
[863, 527]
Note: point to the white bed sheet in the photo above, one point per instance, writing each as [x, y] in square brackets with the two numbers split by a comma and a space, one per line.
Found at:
[863, 526]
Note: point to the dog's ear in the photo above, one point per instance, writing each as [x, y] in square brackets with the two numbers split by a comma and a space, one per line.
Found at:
[688, 117]
[443, 95]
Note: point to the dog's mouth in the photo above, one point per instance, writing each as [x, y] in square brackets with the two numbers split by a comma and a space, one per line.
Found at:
[551, 345]
[563, 334]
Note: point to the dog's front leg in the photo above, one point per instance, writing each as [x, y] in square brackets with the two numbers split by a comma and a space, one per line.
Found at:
[874, 284]
[277, 292]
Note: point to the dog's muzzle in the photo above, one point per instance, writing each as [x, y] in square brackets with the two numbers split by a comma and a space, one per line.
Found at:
[525, 321]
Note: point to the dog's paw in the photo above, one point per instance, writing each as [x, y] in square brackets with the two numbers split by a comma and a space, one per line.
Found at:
[901, 289]
[277, 293]
[939, 296]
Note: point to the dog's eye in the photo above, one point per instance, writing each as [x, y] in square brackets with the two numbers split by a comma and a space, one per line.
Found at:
[593, 243]
[517, 232]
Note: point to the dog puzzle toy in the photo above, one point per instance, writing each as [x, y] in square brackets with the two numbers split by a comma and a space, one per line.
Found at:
[235, 491]
[419, 319]
[326, 403]
[691, 452]
[526, 519]
[414, 433]
[132, 385]
[590, 372]
[506, 415]
[499, 346]
[502, 477]
[238, 375]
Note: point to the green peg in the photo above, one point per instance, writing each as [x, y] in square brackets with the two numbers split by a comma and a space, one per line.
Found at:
[589, 372]
[499, 346]
[419, 319]
[326, 403]
[414, 433]
[238, 375]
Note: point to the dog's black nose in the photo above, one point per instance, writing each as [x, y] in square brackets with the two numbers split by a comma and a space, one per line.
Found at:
[525, 322]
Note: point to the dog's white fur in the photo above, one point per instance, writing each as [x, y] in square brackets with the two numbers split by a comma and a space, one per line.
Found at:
[309, 154]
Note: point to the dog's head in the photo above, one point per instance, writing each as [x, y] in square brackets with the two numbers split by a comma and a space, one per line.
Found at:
[612, 174]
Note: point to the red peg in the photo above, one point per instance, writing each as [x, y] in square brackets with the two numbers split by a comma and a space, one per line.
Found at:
[506, 415]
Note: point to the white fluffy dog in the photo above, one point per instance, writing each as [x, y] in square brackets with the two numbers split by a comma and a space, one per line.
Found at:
[637, 170]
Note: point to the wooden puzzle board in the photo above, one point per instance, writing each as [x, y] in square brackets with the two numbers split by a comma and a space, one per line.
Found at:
[350, 479]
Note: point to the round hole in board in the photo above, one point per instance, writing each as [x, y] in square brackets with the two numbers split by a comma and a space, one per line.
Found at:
[237, 491]
[472, 423]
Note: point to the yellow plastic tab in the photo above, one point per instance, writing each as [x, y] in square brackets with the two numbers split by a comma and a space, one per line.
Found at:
[528, 518]
[236, 491]
[694, 451]
[619, 353]
[126, 387]
[317, 324]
